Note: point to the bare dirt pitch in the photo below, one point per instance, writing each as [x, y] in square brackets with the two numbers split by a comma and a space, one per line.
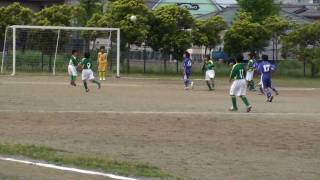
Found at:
[189, 134]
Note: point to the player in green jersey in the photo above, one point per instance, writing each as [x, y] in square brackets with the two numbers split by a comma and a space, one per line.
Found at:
[72, 67]
[238, 87]
[87, 73]
[250, 72]
[208, 68]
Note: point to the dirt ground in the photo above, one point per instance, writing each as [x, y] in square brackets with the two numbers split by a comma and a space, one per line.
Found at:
[189, 134]
[11, 171]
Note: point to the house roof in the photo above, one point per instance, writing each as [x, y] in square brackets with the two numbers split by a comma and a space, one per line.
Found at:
[198, 8]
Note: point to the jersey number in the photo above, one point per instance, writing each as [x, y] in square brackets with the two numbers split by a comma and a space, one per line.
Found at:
[241, 73]
[88, 65]
[266, 68]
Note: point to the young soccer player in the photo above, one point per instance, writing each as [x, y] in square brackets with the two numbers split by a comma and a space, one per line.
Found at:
[209, 72]
[87, 73]
[238, 87]
[265, 68]
[102, 63]
[72, 70]
[250, 73]
[187, 69]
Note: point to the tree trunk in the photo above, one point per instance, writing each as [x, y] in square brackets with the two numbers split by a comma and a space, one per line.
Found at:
[304, 67]
[313, 70]
[276, 49]
[41, 61]
[128, 59]
[273, 49]
[50, 63]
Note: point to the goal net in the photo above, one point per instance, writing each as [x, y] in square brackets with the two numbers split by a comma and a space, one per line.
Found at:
[47, 49]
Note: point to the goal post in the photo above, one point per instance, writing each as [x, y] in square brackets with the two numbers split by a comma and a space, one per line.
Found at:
[30, 47]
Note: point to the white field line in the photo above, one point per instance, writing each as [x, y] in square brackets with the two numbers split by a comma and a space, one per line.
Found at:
[125, 85]
[163, 112]
[62, 83]
[63, 168]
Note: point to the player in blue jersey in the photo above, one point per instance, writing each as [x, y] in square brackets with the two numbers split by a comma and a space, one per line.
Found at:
[265, 68]
[187, 69]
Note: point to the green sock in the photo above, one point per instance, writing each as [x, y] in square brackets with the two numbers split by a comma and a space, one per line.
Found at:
[71, 78]
[245, 101]
[74, 78]
[85, 84]
[234, 102]
[253, 85]
[208, 84]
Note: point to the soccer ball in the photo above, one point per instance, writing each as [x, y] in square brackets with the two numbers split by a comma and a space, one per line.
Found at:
[133, 18]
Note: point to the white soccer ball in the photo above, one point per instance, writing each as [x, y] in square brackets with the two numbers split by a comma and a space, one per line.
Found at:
[133, 18]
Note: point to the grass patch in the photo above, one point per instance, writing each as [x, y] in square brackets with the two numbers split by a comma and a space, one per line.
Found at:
[83, 161]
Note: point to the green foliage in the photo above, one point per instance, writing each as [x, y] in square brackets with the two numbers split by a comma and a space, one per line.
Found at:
[276, 25]
[14, 14]
[170, 30]
[118, 16]
[60, 15]
[57, 15]
[245, 35]
[208, 32]
[259, 9]
[304, 42]
[91, 7]
[83, 161]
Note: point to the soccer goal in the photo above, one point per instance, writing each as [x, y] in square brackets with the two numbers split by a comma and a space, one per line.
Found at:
[46, 49]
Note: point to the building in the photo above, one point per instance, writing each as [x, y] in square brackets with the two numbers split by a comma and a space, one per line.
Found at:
[304, 2]
[35, 5]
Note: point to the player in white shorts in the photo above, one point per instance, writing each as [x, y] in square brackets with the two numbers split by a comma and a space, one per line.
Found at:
[238, 87]
[72, 67]
[87, 73]
[209, 73]
[250, 73]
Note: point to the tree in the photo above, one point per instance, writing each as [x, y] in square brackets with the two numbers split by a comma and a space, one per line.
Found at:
[304, 43]
[208, 32]
[91, 7]
[245, 35]
[118, 16]
[57, 15]
[277, 27]
[170, 30]
[60, 15]
[14, 14]
[259, 9]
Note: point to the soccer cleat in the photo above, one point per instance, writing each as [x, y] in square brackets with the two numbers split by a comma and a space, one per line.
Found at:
[277, 93]
[100, 79]
[211, 89]
[103, 78]
[233, 109]
[270, 99]
[249, 108]
[99, 86]
[87, 90]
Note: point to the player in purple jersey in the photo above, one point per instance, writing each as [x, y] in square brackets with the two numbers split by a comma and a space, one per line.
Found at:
[187, 69]
[265, 68]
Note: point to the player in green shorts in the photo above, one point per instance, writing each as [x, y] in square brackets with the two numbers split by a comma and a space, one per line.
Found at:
[238, 87]
[87, 73]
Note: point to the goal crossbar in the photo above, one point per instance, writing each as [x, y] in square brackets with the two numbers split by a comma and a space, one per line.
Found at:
[15, 27]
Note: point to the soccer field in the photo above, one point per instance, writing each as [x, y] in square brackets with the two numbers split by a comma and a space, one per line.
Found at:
[186, 134]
